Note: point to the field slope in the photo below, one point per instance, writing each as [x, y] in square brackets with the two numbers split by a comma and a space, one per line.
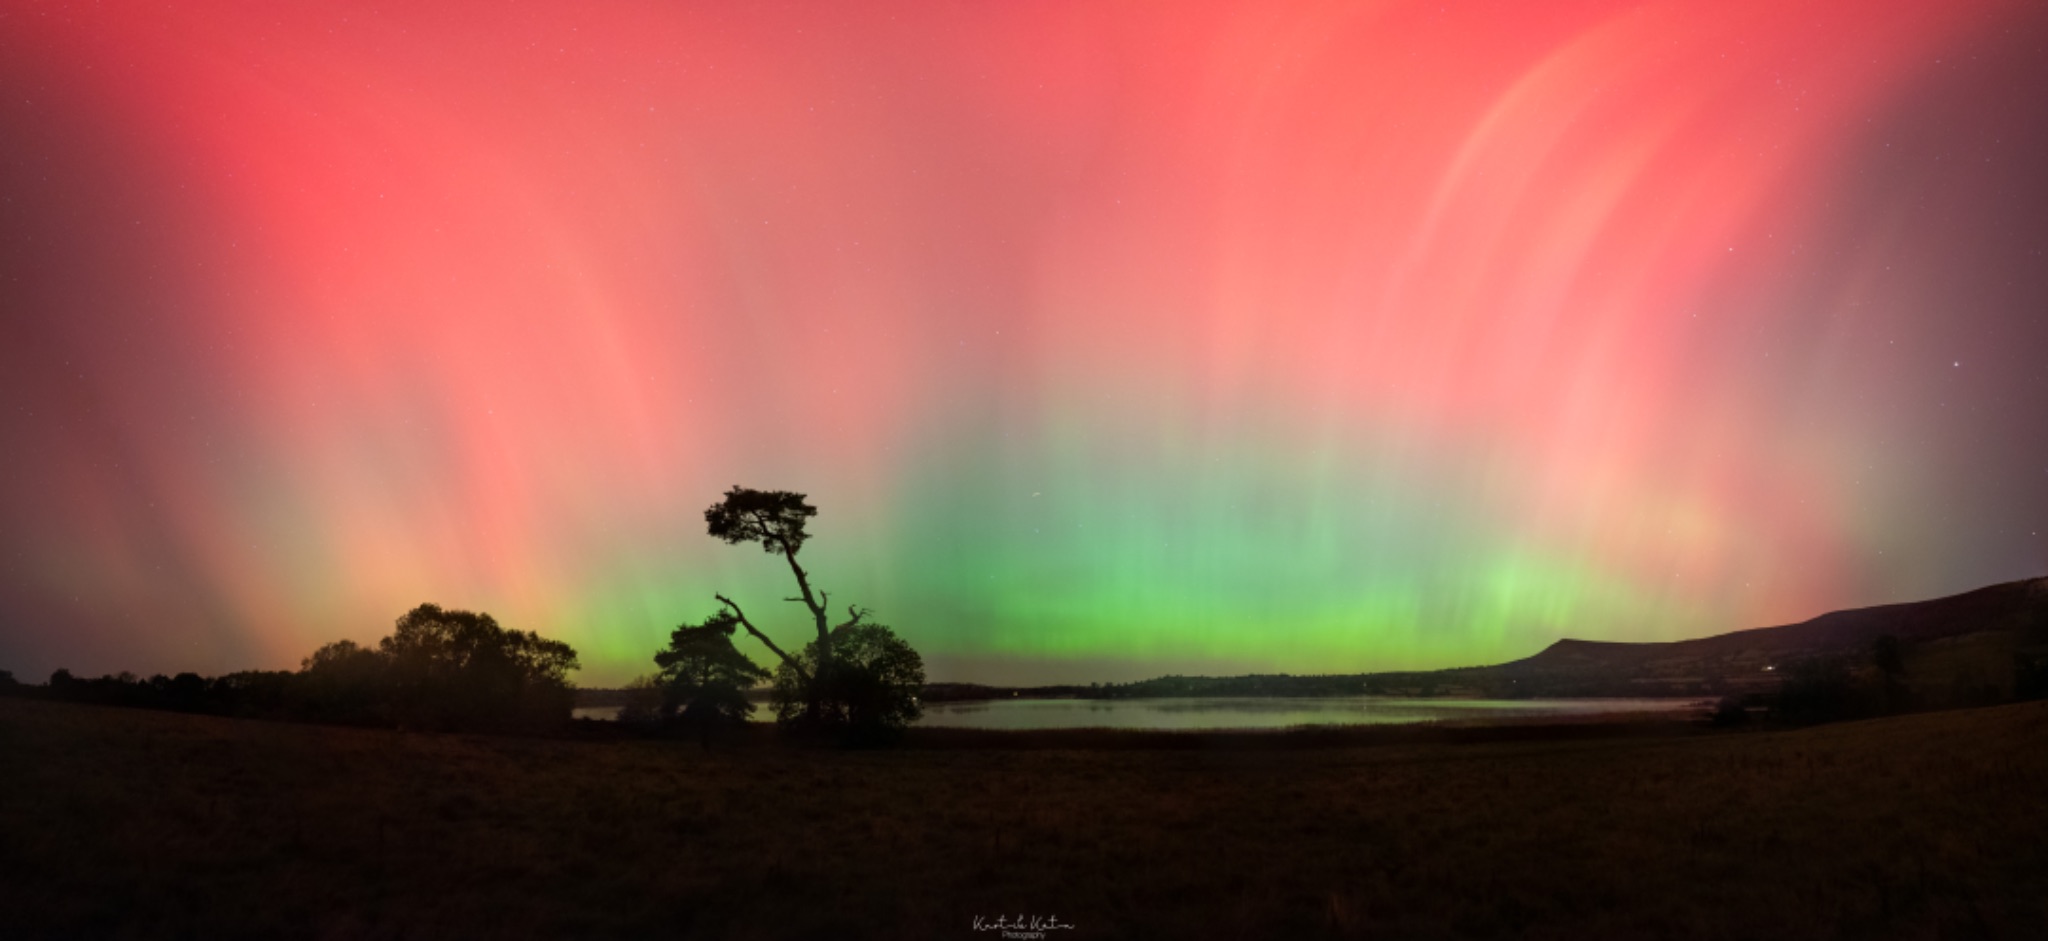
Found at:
[132, 824]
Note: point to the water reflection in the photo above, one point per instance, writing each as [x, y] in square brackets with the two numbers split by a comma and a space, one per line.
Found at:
[1263, 713]
[1223, 712]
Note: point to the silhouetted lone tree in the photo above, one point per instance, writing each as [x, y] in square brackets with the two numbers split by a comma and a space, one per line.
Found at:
[705, 677]
[816, 694]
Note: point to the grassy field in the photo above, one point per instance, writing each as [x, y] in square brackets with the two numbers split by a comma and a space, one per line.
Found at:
[132, 824]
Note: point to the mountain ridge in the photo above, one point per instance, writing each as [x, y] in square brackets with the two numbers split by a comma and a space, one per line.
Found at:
[2003, 606]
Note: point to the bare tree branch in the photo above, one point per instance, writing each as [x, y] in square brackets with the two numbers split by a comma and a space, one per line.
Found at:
[763, 638]
[855, 615]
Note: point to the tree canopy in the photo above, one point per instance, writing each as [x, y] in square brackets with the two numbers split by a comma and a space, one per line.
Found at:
[773, 518]
[445, 641]
[459, 667]
[872, 691]
[444, 668]
[704, 676]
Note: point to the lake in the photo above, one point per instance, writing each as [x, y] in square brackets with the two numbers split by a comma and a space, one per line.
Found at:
[1246, 712]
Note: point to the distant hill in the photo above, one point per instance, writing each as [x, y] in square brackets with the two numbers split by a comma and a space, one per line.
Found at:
[1996, 608]
[1992, 620]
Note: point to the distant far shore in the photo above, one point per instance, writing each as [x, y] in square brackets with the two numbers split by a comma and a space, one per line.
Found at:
[1446, 684]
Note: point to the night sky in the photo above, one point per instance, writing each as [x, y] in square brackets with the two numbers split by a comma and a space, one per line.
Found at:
[1110, 340]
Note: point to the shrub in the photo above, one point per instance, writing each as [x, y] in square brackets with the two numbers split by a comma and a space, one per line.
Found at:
[868, 697]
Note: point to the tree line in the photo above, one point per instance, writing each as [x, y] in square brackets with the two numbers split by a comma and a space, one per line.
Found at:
[441, 669]
[855, 682]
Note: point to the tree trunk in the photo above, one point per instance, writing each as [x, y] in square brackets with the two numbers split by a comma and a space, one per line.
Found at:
[826, 664]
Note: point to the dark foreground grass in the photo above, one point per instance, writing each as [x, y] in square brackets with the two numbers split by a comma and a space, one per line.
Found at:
[128, 824]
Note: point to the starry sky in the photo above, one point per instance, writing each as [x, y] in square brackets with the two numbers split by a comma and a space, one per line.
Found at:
[1111, 340]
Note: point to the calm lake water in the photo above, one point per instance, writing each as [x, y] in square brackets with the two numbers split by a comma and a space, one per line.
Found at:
[1263, 713]
[1228, 712]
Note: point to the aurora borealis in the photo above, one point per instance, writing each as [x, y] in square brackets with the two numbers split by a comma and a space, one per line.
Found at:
[1111, 340]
